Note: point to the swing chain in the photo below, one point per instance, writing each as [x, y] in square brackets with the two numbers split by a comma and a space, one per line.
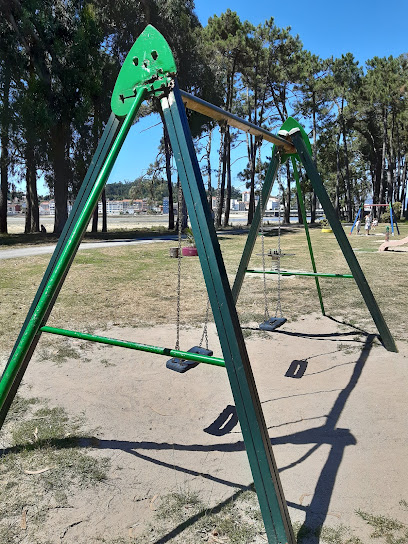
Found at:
[266, 310]
[180, 219]
[204, 336]
[278, 262]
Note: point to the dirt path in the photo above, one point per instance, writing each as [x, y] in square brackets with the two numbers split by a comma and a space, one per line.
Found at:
[334, 403]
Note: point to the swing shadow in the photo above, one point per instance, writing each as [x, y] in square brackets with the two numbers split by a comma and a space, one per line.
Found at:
[327, 434]
[317, 336]
[337, 438]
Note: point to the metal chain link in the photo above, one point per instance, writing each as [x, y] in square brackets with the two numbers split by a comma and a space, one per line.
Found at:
[180, 221]
[204, 336]
[278, 268]
[266, 309]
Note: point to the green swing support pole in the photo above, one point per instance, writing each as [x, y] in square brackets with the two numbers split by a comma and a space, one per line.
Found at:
[253, 231]
[24, 346]
[343, 241]
[309, 242]
[255, 433]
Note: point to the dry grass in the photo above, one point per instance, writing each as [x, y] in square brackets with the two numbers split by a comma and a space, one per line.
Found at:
[136, 285]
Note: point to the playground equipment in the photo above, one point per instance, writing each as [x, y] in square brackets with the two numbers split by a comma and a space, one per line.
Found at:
[394, 243]
[149, 70]
[271, 323]
[289, 125]
[179, 364]
[392, 215]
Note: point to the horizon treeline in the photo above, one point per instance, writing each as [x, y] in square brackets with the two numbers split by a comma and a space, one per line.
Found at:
[60, 60]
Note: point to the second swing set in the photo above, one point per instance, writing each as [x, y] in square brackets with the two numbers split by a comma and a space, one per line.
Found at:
[272, 323]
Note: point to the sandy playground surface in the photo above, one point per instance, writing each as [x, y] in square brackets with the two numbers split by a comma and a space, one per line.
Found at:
[339, 431]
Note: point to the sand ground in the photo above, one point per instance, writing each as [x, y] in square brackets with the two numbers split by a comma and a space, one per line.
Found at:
[334, 403]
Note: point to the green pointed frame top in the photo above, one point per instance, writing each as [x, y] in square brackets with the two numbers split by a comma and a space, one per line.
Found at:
[286, 130]
[150, 63]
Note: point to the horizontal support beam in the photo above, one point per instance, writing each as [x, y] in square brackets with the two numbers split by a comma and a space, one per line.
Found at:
[289, 273]
[209, 110]
[139, 347]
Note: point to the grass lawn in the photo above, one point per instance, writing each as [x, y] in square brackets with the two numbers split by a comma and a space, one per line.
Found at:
[136, 285]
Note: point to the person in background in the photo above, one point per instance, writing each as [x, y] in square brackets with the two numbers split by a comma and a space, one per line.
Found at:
[367, 224]
[358, 226]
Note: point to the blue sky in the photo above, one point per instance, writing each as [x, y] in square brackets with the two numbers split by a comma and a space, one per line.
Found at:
[366, 29]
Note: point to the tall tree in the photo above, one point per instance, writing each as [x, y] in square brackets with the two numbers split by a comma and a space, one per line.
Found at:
[283, 73]
[312, 102]
[225, 39]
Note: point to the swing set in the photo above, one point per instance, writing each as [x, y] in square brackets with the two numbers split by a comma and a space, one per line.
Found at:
[149, 70]
[393, 221]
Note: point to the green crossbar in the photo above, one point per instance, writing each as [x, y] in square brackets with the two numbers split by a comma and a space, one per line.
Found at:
[136, 346]
[292, 273]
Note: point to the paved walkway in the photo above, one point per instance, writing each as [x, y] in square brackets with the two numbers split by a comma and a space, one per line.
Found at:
[42, 250]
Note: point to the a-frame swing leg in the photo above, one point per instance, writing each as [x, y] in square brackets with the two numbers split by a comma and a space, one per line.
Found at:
[265, 473]
[309, 241]
[343, 241]
[256, 221]
[64, 254]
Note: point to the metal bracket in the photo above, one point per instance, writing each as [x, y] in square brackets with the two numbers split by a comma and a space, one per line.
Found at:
[286, 131]
[150, 64]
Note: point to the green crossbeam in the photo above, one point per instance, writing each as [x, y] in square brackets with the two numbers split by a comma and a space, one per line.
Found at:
[293, 273]
[216, 361]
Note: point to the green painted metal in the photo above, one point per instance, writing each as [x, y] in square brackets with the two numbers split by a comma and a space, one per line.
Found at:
[286, 129]
[64, 260]
[309, 241]
[343, 242]
[265, 473]
[256, 221]
[287, 126]
[149, 64]
[294, 273]
[99, 157]
[215, 361]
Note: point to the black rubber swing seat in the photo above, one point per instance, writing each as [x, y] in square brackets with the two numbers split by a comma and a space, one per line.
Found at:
[272, 323]
[182, 365]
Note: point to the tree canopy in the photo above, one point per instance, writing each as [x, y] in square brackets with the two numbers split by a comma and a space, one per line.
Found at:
[60, 59]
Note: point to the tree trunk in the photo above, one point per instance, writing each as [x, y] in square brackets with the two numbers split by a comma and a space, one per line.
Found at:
[313, 204]
[347, 168]
[299, 211]
[221, 188]
[251, 147]
[104, 213]
[59, 139]
[32, 223]
[94, 227]
[4, 159]
[167, 153]
[288, 194]
[338, 176]
[208, 151]
[228, 175]
[383, 159]
[404, 189]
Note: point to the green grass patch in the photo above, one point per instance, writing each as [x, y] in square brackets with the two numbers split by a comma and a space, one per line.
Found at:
[42, 464]
[236, 521]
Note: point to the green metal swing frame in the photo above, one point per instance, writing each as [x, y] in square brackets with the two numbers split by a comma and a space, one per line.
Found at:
[149, 70]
